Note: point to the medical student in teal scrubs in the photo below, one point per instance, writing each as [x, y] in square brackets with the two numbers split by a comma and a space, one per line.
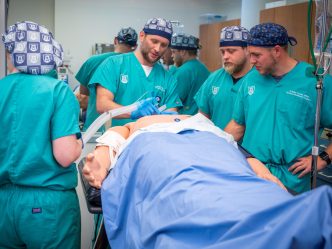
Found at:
[168, 62]
[124, 42]
[40, 140]
[216, 97]
[123, 79]
[275, 108]
[191, 73]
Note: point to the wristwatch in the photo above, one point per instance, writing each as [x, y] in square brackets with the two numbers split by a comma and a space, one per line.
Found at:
[324, 156]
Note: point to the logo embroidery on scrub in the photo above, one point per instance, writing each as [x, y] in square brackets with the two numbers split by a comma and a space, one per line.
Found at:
[124, 78]
[160, 88]
[215, 90]
[299, 95]
[36, 210]
[251, 90]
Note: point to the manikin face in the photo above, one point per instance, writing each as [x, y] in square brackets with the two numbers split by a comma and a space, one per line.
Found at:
[152, 47]
[263, 59]
[234, 58]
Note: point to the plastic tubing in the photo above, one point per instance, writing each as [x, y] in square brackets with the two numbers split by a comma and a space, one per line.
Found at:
[323, 44]
[103, 118]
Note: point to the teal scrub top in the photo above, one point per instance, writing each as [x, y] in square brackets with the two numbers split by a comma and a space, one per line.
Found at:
[279, 117]
[84, 76]
[53, 74]
[190, 77]
[217, 97]
[35, 110]
[124, 76]
[88, 68]
[172, 69]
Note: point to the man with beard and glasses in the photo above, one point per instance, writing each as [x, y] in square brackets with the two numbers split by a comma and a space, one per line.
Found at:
[123, 79]
[191, 73]
[275, 108]
[216, 97]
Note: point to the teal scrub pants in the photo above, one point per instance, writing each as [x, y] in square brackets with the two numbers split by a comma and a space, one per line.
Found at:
[39, 218]
[299, 185]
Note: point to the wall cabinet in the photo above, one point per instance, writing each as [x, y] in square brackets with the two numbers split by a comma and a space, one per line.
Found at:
[209, 36]
[294, 19]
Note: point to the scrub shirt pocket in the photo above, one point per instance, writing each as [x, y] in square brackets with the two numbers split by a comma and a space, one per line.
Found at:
[296, 112]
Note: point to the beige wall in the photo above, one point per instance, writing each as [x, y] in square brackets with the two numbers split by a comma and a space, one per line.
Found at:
[39, 11]
[99, 21]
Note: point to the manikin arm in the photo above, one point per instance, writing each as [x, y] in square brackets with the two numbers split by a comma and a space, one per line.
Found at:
[235, 129]
[97, 163]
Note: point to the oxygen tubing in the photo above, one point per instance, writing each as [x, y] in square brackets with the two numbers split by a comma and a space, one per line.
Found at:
[103, 118]
[326, 42]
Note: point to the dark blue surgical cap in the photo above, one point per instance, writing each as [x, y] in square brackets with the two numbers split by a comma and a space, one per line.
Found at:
[127, 36]
[160, 27]
[234, 36]
[184, 42]
[270, 35]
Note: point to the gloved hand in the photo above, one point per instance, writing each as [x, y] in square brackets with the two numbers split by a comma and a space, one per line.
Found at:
[146, 107]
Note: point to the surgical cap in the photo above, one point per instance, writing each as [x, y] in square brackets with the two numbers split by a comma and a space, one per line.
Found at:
[234, 36]
[160, 27]
[32, 48]
[270, 35]
[127, 36]
[184, 42]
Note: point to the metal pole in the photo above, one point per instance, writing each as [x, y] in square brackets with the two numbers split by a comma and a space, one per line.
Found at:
[3, 25]
[321, 70]
[315, 148]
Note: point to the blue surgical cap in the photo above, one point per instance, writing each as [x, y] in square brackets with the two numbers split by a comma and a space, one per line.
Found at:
[184, 42]
[234, 36]
[270, 35]
[32, 48]
[160, 27]
[127, 36]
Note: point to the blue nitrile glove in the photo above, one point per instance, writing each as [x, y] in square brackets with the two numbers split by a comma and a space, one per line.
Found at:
[146, 107]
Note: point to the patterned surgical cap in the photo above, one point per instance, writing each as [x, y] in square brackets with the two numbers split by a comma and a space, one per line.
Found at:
[127, 36]
[184, 42]
[270, 35]
[32, 48]
[234, 36]
[160, 27]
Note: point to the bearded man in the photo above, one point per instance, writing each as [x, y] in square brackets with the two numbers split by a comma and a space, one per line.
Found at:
[217, 96]
[123, 79]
